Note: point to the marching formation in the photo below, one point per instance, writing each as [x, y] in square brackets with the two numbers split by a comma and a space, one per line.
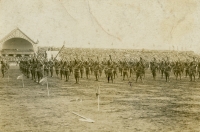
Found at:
[78, 69]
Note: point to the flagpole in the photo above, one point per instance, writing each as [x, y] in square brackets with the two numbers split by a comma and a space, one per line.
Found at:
[60, 50]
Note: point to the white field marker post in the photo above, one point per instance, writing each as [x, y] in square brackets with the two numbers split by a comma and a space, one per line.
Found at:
[22, 81]
[98, 94]
[98, 102]
[8, 76]
[48, 88]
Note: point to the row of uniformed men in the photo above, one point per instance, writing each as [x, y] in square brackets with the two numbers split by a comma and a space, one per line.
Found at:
[191, 68]
[38, 69]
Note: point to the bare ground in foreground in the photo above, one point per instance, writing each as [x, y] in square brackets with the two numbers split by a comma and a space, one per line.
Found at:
[149, 106]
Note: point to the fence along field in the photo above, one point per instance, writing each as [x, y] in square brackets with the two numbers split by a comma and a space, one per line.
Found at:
[149, 106]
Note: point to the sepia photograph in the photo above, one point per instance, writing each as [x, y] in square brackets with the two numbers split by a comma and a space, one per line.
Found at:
[100, 66]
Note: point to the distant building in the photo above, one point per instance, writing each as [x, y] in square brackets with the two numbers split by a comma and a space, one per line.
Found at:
[17, 44]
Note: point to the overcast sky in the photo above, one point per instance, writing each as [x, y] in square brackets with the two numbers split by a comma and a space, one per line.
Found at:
[149, 24]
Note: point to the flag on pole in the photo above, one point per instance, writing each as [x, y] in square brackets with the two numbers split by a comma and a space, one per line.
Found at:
[20, 77]
[43, 80]
[60, 50]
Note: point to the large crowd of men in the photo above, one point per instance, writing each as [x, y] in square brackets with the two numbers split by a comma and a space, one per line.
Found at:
[36, 69]
[77, 69]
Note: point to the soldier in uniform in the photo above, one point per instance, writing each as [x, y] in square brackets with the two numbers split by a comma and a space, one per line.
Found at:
[114, 69]
[81, 69]
[35, 70]
[91, 67]
[76, 71]
[167, 70]
[87, 69]
[32, 70]
[6, 67]
[177, 69]
[28, 69]
[46, 68]
[25, 68]
[120, 68]
[71, 67]
[3, 68]
[131, 67]
[153, 67]
[51, 65]
[106, 71]
[57, 68]
[192, 70]
[96, 70]
[61, 69]
[40, 71]
[162, 67]
[187, 65]
[110, 72]
[66, 70]
[20, 65]
[100, 70]
[125, 70]
[140, 70]
[198, 68]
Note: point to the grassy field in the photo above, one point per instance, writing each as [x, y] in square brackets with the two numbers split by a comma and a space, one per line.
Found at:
[149, 106]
